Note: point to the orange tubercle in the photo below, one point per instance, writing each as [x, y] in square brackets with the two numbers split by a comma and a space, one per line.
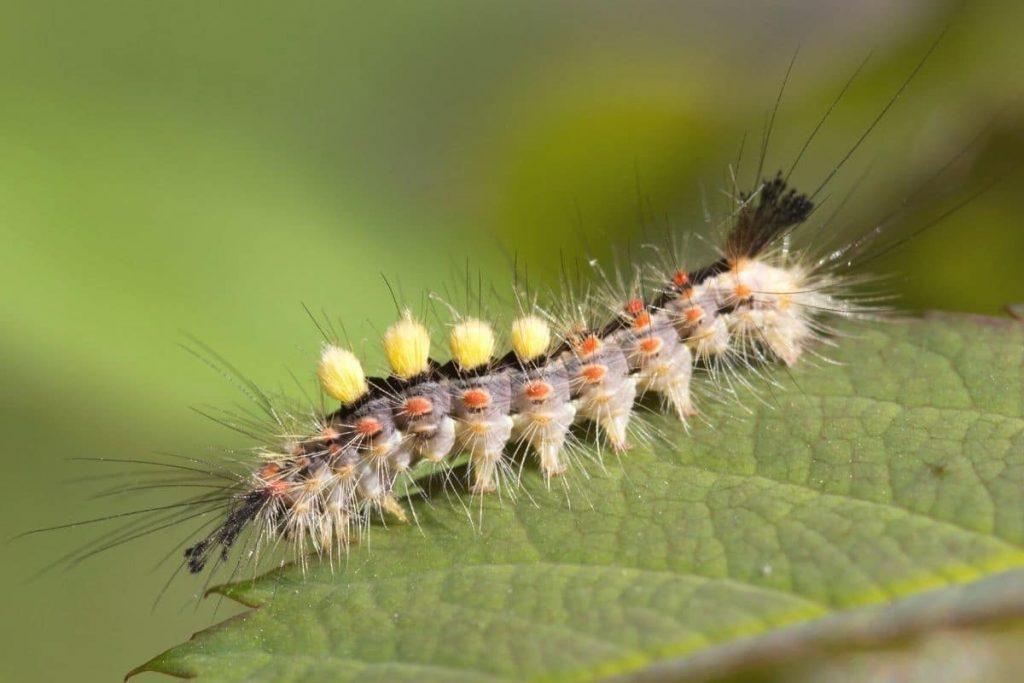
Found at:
[417, 406]
[538, 391]
[277, 488]
[368, 426]
[476, 398]
[593, 373]
[590, 345]
[651, 345]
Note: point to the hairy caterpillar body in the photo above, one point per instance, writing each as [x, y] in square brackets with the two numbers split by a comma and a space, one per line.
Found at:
[760, 302]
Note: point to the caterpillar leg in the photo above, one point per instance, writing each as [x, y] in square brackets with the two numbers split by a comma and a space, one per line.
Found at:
[438, 444]
[545, 431]
[374, 486]
[671, 378]
[663, 364]
[484, 440]
[338, 517]
[611, 409]
[394, 508]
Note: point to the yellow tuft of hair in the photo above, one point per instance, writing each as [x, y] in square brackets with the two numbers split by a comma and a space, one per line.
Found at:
[472, 343]
[407, 346]
[531, 337]
[341, 374]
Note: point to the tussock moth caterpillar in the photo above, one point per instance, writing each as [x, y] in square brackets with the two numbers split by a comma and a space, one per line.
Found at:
[580, 362]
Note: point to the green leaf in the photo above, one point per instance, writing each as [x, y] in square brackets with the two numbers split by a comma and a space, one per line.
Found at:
[898, 471]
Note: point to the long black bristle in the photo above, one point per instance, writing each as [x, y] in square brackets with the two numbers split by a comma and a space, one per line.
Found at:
[226, 535]
[778, 208]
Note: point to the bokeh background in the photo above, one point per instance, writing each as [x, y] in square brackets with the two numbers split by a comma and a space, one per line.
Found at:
[207, 168]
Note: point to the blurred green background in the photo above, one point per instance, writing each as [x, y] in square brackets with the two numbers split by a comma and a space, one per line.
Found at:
[209, 167]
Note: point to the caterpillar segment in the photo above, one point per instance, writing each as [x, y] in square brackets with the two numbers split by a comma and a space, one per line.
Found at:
[763, 309]
[694, 313]
[601, 384]
[383, 455]
[481, 402]
[543, 411]
[660, 359]
[421, 404]
[756, 300]
[423, 415]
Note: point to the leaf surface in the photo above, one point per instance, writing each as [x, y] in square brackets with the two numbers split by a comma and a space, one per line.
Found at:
[897, 471]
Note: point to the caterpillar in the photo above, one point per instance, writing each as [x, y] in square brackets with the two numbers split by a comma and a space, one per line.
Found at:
[760, 302]
[578, 367]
